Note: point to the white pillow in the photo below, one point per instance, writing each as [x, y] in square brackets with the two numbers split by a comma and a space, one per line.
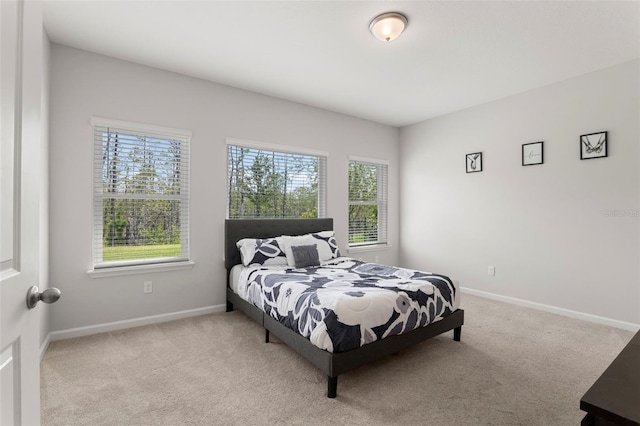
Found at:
[327, 245]
[302, 240]
[324, 241]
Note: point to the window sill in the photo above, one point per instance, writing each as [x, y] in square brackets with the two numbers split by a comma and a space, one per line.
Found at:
[139, 269]
[372, 247]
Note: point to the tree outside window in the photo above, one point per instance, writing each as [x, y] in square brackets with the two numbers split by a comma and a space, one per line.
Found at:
[367, 203]
[140, 197]
[264, 183]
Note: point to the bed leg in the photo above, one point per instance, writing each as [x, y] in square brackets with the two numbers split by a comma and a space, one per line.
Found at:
[456, 333]
[332, 386]
[229, 306]
[266, 335]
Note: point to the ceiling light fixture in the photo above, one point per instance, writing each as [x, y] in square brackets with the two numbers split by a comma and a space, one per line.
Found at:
[388, 26]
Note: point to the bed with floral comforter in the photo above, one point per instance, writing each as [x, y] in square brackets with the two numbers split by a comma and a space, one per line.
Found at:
[338, 313]
[344, 303]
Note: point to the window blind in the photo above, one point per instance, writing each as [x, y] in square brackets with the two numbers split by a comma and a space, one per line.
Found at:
[268, 183]
[141, 195]
[367, 203]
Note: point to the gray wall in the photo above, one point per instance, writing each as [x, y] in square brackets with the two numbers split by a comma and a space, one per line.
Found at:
[545, 228]
[85, 84]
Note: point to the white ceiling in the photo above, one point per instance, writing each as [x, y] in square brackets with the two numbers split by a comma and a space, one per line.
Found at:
[453, 54]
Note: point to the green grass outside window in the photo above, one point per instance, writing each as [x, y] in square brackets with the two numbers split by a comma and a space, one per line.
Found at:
[115, 253]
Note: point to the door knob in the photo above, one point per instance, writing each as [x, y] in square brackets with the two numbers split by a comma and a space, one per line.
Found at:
[50, 295]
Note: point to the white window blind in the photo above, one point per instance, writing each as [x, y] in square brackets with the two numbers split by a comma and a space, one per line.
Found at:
[367, 202]
[271, 183]
[141, 194]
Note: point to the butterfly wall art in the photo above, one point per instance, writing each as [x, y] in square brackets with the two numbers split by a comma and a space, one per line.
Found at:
[593, 145]
[474, 162]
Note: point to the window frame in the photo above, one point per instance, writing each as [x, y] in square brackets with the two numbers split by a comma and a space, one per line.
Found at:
[382, 202]
[323, 158]
[100, 268]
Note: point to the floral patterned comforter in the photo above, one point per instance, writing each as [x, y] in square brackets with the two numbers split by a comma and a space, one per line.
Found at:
[344, 303]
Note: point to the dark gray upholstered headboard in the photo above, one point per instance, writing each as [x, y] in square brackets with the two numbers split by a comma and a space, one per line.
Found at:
[237, 229]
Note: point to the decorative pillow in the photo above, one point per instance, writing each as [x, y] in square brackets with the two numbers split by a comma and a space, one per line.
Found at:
[327, 245]
[305, 256]
[267, 251]
[324, 241]
[301, 240]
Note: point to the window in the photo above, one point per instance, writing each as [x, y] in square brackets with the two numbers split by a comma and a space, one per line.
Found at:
[367, 202]
[274, 182]
[141, 194]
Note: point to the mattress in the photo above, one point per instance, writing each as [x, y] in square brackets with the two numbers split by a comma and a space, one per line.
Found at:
[344, 303]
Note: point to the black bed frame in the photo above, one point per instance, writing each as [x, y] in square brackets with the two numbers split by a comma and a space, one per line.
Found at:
[332, 364]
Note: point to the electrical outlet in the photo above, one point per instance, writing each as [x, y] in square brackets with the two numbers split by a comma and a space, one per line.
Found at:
[377, 259]
[148, 287]
[491, 270]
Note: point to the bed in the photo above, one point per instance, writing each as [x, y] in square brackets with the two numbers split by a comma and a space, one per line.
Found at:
[327, 353]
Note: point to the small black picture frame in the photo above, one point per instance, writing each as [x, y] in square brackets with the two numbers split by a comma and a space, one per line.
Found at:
[532, 153]
[473, 162]
[594, 145]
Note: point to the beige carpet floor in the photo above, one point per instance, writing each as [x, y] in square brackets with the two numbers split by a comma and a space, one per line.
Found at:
[514, 366]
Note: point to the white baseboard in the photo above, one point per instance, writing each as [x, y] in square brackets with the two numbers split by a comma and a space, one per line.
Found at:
[554, 310]
[154, 319]
[135, 322]
[44, 346]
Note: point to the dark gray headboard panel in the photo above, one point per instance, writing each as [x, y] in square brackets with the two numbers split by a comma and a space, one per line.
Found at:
[237, 229]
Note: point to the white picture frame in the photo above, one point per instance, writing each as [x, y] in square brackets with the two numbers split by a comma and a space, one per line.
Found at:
[532, 153]
[473, 162]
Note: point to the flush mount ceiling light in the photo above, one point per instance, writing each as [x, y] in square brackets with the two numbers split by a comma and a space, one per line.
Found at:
[388, 26]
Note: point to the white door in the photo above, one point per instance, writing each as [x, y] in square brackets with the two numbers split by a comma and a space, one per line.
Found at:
[20, 206]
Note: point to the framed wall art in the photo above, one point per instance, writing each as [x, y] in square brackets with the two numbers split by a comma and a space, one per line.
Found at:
[474, 162]
[532, 153]
[593, 145]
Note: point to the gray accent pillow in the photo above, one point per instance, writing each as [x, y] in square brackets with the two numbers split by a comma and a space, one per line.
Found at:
[304, 256]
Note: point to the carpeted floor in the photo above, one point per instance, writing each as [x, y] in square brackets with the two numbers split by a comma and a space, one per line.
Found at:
[514, 366]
